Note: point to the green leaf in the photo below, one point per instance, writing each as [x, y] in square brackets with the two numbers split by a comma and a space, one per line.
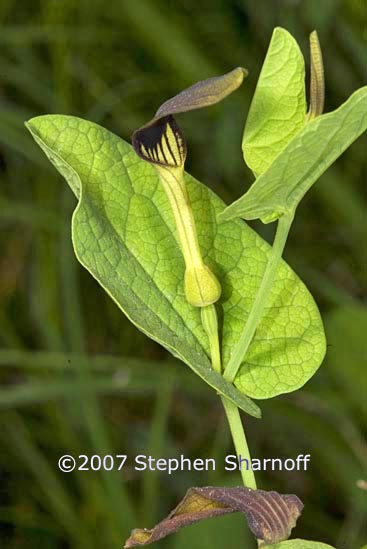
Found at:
[321, 141]
[300, 544]
[124, 233]
[278, 108]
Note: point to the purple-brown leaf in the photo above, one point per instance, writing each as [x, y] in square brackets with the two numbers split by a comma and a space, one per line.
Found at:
[270, 516]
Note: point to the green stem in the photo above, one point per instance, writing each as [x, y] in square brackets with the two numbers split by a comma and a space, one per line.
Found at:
[210, 324]
[209, 320]
[262, 295]
[240, 442]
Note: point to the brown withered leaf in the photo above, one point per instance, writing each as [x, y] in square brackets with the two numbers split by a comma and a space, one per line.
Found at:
[270, 516]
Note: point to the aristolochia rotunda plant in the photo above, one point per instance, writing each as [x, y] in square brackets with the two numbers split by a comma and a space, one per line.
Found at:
[172, 255]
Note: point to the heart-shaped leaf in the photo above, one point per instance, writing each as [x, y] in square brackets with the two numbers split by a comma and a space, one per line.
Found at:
[270, 516]
[278, 108]
[124, 233]
[314, 148]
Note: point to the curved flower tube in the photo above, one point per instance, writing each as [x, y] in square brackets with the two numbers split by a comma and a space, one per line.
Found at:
[162, 143]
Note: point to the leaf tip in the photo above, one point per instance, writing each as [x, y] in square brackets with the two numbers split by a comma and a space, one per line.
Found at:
[281, 31]
[34, 122]
[29, 124]
[257, 412]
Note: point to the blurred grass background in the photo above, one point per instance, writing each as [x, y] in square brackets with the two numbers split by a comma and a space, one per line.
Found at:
[75, 376]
